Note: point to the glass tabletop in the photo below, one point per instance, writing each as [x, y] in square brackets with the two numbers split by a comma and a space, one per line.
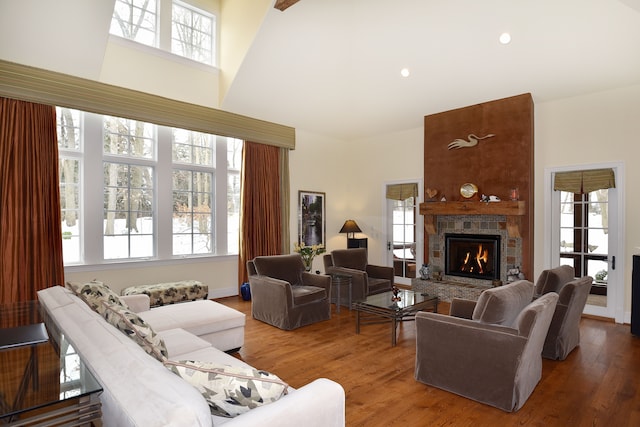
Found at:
[407, 299]
[37, 373]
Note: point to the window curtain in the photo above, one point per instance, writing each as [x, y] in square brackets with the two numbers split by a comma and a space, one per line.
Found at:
[584, 181]
[402, 191]
[260, 204]
[285, 200]
[30, 225]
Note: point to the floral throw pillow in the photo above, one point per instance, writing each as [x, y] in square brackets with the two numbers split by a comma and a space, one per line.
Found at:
[230, 390]
[135, 328]
[95, 293]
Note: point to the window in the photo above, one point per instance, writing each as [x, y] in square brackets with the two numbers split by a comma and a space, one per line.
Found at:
[584, 240]
[128, 188]
[135, 20]
[70, 155]
[156, 195]
[193, 154]
[192, 33]
[188, 32]
[234, 160]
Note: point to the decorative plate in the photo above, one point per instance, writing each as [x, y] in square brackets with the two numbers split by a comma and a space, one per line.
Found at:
[468, 190]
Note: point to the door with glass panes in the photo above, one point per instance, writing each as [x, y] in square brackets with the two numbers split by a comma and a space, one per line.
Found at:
[586, 237]
[403, 231]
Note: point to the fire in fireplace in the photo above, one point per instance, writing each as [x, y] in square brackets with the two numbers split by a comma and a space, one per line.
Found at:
[472, 255]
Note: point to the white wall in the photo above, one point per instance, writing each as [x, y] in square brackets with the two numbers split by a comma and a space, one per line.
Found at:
[590, 129]
[220, 274]
[353, 174]
[134, 66]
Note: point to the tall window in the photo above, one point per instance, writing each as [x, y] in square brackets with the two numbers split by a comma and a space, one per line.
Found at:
[234, 161]
[128, 188]
[188, 31]
[70, 157]
[156, 194]
[193, 157]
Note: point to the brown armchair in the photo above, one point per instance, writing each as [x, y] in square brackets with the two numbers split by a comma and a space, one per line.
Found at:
[284, 295]
[366, 279]
[482, 359]
[554, 279]
[564, 332]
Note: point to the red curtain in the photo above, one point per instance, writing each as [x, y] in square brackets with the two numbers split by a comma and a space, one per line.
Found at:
[30, 225]
[260, 223]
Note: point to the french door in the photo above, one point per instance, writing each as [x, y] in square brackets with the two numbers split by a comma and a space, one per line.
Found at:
[404, 231]
[586, 234]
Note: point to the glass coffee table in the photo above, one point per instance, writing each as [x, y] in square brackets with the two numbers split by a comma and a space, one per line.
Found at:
[43, 381]
[381, 308]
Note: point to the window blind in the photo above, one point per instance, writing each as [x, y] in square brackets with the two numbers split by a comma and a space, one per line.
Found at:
[402, 191]
[51, 88]
[584, 181]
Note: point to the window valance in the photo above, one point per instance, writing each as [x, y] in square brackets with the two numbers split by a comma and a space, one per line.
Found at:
[584, 181]
[51, 88]
[402, 191]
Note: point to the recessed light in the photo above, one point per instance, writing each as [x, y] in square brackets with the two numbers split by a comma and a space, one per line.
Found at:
[505, 38]
[405, 72]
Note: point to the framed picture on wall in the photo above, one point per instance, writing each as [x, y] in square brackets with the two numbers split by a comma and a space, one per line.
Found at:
[311, 218]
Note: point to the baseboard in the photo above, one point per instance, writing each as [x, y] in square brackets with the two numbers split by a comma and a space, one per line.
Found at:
[223, 292]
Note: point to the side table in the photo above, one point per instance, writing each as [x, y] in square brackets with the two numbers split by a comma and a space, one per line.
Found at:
[337, 281]
[43, 380]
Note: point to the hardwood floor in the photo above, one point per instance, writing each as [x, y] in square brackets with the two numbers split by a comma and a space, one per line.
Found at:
[598, 384]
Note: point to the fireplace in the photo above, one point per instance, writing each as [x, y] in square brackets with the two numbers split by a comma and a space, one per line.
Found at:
[474, 256]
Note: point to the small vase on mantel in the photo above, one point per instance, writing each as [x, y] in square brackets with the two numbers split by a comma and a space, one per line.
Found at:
[425, 272]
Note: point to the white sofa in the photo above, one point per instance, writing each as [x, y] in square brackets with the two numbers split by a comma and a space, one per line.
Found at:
[140, 391]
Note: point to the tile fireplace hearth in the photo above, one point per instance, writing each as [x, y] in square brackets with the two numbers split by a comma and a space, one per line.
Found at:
[446, 290]
[509, 252]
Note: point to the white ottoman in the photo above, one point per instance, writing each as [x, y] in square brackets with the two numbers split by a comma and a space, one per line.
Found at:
[170, 292]
[216, 323]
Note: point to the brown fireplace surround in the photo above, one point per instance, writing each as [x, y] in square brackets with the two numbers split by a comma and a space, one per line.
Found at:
[495, 165]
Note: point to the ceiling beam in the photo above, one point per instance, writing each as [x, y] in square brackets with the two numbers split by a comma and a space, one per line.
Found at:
[282, 5]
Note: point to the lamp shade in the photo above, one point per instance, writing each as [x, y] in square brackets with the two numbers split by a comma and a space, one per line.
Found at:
[350, 226]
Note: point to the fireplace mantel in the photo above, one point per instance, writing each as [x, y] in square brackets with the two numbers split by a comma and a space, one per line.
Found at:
[513, 210]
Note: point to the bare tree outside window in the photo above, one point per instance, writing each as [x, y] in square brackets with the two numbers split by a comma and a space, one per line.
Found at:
[128, 189]
[193, 192]
[192, 33]
[135, 20]
[123, 202]
[69, 146]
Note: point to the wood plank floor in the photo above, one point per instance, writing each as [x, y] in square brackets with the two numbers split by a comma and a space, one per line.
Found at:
[598, 384]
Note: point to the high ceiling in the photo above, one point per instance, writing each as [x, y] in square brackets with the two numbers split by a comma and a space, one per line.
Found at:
[332, 67]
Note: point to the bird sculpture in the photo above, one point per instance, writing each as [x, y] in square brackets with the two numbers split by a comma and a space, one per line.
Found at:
[472, 140]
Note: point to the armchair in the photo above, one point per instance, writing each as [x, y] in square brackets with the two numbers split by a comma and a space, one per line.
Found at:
[366, 279]
[284, 295]
[494, 359]
[564, 332]
[552, 280]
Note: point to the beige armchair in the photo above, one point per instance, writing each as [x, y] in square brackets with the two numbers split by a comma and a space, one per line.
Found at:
[564, 332]
[284, 295]
[494, 357]
[366, 279]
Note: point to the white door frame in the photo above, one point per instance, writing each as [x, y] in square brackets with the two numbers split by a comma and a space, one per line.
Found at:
[419, 225]
[615, 293]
